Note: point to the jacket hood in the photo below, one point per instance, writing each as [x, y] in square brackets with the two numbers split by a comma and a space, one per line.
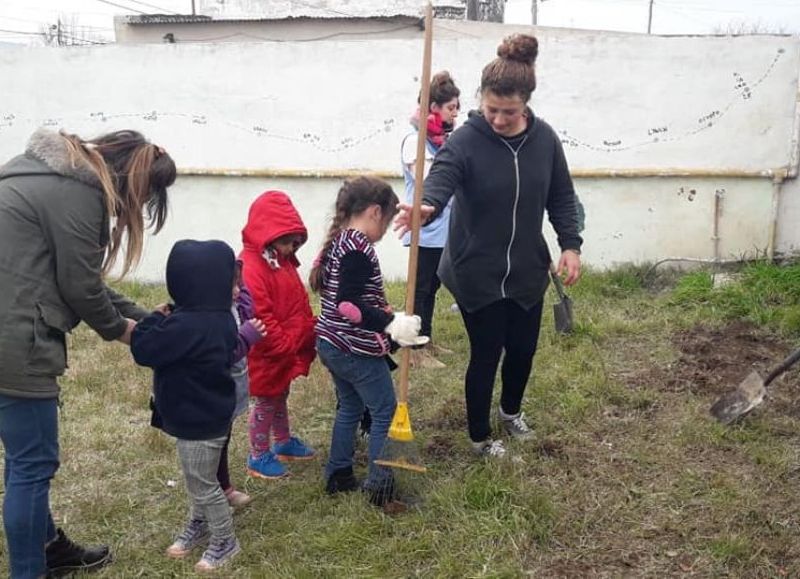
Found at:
[477, 121]
[271, 216]
[47, 154]
[200, 275]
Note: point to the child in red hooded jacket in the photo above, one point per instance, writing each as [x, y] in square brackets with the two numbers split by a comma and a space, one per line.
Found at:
[273, 233]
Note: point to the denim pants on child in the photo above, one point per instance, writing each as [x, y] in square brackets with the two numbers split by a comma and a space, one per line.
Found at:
[361, 381]
[199, 462]
[29, 431]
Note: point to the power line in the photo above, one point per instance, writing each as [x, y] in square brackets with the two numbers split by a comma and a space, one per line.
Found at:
[20, 19]
[21, 32]
[165, 10]
[63, 33]
[77, 38]
[48, 23]
[123, 7]
[463, 33]
[40, 11]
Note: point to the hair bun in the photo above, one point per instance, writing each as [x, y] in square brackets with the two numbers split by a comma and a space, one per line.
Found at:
[441, 78]
[519, 47]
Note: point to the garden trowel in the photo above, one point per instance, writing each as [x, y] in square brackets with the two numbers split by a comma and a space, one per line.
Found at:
[562, 311]
[750, 392]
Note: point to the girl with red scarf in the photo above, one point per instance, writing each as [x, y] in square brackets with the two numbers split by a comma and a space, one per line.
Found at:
[442, 111]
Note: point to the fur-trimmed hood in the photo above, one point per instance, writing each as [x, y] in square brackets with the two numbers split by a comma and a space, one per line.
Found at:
[50, 149]
[54, 231]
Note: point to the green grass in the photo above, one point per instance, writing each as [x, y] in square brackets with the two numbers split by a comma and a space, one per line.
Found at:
[627, 477]
[766, 294]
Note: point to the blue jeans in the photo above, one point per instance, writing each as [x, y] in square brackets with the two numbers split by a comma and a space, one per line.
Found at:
[361, 381]
[29, 432]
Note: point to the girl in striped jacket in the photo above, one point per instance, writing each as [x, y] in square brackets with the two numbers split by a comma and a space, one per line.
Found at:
[356, 331]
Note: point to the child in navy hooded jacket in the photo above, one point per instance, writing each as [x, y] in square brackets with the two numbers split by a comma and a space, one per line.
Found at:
[191, 349]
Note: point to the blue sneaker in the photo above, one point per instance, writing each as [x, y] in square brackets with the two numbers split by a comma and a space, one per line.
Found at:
[265, 466]
[293, 449]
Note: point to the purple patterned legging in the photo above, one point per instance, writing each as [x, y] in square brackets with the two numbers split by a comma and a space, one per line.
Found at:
[268, 415]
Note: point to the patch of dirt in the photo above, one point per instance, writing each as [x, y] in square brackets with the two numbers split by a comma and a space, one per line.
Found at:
[714, 360]
[451, 415]
[440, 447]
[563, 569]
[395, 508]
[551, 448]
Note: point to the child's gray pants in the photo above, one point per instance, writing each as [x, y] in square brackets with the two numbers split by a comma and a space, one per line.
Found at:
[199, 461]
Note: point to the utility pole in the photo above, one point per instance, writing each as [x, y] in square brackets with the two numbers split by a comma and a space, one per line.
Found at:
[58, 32]
[535, 11]
[193, 11]
[649, 17]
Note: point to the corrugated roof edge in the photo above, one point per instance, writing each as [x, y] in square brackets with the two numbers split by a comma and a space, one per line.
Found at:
[442, 10]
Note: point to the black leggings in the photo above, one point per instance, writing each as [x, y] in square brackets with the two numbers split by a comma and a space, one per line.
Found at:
[427, 285]
[502, 325]
[223, 474]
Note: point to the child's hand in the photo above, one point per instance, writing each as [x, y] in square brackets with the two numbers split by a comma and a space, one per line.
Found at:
[259, 326]
[165, 309]
[125, 338]
[252, 332]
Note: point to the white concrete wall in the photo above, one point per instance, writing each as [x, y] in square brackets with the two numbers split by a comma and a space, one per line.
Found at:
[706, 105]
[789, 223]
[216, 207]
[641, 221]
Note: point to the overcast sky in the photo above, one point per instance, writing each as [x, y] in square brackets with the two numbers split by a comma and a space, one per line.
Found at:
[20, 20]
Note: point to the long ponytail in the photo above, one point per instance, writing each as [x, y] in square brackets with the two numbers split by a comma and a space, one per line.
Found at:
[355, 196]
[133, 174]
[315, 278]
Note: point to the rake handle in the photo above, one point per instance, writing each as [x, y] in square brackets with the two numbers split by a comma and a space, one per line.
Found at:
[790, 361]
[419, 176]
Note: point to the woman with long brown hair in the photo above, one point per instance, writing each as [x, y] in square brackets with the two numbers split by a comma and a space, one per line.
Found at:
[70, 209]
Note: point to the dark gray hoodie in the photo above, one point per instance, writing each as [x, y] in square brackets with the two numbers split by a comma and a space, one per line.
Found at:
[495, 246]
[53, 236]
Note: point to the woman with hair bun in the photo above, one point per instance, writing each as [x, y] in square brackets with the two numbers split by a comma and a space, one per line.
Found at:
[503, 168]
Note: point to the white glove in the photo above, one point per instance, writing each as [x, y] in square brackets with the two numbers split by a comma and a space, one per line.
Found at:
[404, 330]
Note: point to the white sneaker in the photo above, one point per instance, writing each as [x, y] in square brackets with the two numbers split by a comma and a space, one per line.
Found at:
[489, 448]
[195, 533]
[515, 425]
[238, 499]
[219, 553]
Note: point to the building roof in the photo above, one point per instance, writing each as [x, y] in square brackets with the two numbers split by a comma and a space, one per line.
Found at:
[284, 9]
[165, 19]
[293, 9]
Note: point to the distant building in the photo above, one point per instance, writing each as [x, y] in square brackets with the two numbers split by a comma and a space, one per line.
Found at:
[486, 10]
[284, 20]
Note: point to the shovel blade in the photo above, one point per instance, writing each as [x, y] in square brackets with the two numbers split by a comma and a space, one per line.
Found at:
[735, 404]
[562, 314]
